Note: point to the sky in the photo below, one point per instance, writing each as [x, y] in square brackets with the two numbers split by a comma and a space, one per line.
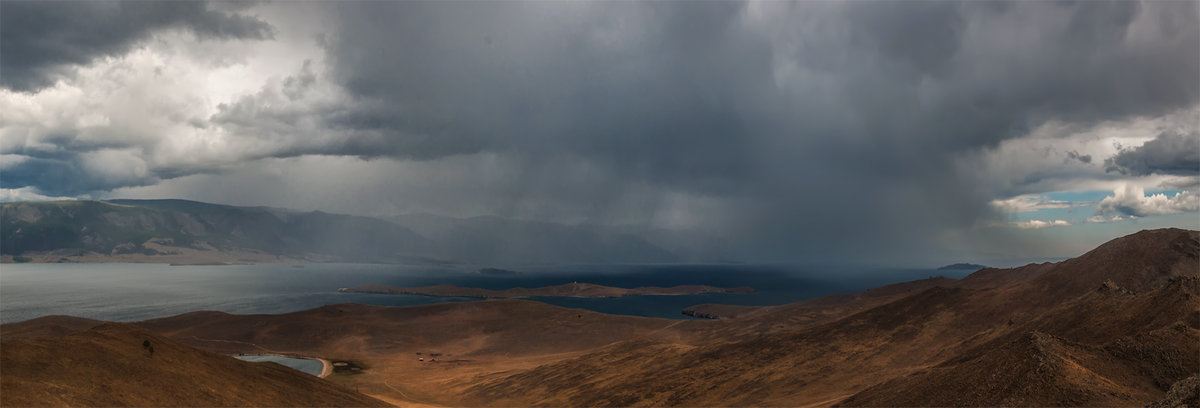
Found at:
[904, 132]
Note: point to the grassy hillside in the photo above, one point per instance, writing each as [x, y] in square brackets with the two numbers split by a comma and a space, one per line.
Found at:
[115, 364]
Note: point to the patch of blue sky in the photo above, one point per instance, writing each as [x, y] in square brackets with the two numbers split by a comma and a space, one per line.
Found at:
[1084, 205]
[1093, 196]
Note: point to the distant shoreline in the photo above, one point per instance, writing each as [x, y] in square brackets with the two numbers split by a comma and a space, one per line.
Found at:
[576, 289]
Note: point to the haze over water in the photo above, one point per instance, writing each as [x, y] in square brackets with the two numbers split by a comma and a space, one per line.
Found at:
[132, 292]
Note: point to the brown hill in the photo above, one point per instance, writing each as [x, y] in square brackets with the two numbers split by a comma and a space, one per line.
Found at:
[116, 364]
[1119, 325]
[1137, 347]
[47, 326]
[761, 320]
[1105, 346]
[510, 327]
[1137, 262]
[1001, 277]
[409, 352]
[567, 290]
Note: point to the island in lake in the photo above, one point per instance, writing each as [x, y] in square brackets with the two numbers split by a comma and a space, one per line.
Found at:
[962, 266]
[573, 289]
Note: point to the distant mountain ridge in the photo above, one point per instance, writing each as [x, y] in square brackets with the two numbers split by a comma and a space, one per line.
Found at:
[179, 227]
[182, 231]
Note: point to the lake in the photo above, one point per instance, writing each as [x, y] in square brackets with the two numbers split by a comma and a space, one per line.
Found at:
[307, 365]
[133, 292]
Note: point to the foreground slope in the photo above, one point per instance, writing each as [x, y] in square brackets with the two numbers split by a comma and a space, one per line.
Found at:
[116, 364]
[1109, 349]
[1054, 335]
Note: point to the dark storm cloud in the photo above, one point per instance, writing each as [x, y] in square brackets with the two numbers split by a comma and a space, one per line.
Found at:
[653, 89]
[843, 120]
[1083, 158]
[1170, 153]
[655, 83]
[55, 177]
[40, 38]
[804, 106]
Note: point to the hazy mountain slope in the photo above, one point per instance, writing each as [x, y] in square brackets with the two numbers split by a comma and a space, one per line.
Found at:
[187, 231]
[166, 227]
[118, 364]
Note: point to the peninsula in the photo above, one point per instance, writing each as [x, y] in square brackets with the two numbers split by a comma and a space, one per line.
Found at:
[573, 289]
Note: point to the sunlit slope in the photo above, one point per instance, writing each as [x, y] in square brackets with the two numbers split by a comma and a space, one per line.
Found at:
[116, 364]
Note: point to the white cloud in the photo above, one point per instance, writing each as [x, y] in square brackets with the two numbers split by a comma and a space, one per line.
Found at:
[1048, 158]
[1132, 200]
[1115, 218]
[27, 194]
[135, 118]
[1031, 202]
[1039, 224]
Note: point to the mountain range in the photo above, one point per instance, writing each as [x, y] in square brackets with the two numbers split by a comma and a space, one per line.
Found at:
[180, 231]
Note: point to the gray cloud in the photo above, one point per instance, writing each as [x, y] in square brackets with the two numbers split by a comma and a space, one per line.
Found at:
[1083, 158]
[39, 39]
[1170, 153]
[799, 100]
[844, 120]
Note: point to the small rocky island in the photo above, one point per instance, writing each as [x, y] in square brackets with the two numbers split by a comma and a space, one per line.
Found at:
[574, 289]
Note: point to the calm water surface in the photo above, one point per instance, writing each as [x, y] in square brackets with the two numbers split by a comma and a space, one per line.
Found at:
[307, 365]
[133, 292]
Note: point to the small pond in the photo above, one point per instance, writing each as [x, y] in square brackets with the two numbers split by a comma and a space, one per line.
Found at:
[307, 365]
